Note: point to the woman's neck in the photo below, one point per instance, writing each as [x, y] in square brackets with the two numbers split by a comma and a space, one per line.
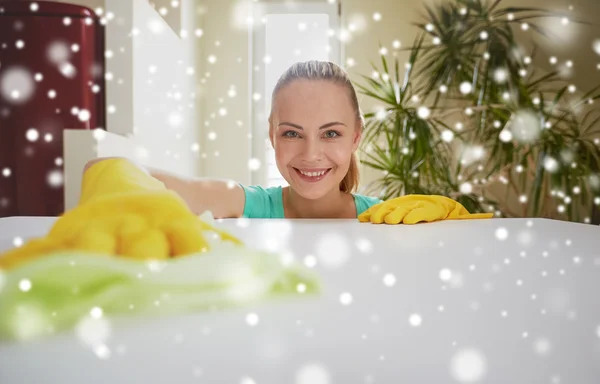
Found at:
[334, 205]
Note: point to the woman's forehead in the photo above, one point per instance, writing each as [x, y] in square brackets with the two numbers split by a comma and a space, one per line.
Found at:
[314, 97]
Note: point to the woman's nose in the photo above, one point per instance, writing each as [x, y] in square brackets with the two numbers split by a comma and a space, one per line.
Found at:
[313, 149]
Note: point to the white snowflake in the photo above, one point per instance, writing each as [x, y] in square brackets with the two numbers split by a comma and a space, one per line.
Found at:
[17, 85]
[93, 330]
[252, 319]
[447, 135]
[423, 112]
[415, 320]
[465, 88]
[445, 274]
[525, 126]
[542, 346]
[466, 188]
[346, 298]
[254, 164]
[501, 233]
[468, 365]
[84, 115]
[364, 245]
[332, 250]
[389, 280]
[313, 374]
[55, 178]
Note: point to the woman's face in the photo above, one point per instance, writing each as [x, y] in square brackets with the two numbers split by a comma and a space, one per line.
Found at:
[314, 132]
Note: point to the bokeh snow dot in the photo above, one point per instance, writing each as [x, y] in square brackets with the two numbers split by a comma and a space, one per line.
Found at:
[525, 237]
[447, 135]
[346, 298]
[525, 126]
[550, 164]
[542, 346]
[84, 115]
[55, 179]
[332, 250]
[468, 366]
[423, 112]
[597, 329]
[102, 351]
[465, 88]
[445, 274]
[18, 241]
[364, 245]
[16, 85]
[501, 233]
[500, 75]
[252, 319]
[310, 261]
[96, 312]
[389, 280]
[25, 285]
[505, 136]
[415, 320]
[254, 164]
[58, 52]
[93, 331]
[466, 188]
[99, 134]
[32, 134]
[313, 374]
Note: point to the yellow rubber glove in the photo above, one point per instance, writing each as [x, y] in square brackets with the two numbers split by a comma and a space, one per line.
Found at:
[123, 211]
[412, 209]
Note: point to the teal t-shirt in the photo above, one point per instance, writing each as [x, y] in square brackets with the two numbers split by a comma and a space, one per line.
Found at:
[267, 203]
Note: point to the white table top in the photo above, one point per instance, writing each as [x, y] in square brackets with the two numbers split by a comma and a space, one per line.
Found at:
[524, 309]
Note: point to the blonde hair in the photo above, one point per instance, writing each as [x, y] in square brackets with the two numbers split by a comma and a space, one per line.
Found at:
[326, 71]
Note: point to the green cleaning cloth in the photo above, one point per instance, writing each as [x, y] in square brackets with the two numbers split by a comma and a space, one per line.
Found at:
[54, 293]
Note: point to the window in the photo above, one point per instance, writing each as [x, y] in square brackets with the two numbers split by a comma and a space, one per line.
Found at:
[284, 34]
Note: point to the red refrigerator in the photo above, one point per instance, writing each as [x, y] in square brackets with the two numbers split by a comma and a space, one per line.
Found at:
[51, 79]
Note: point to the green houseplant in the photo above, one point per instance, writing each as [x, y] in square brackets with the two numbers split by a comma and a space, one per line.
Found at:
[473, 119]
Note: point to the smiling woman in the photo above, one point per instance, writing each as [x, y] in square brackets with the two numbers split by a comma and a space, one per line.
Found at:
[315, 129]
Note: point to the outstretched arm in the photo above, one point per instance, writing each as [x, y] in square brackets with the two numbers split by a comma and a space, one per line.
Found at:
[224, 198]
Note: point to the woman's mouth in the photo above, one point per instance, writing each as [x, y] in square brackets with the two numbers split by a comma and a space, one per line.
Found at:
[312, 175]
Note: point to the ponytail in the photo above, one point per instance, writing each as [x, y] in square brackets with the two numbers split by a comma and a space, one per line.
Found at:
[350, 181]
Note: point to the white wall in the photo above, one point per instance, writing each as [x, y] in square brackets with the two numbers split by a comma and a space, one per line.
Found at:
[153, 84]
[226, 153]
[151, 94]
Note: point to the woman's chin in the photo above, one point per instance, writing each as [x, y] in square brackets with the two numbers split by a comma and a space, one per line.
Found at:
[313, 191]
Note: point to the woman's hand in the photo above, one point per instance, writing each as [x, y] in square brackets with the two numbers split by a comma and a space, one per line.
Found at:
[412, 209]
[125, 212]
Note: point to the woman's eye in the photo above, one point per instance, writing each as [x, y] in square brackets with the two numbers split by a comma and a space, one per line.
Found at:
[331, 134]
[290, 134]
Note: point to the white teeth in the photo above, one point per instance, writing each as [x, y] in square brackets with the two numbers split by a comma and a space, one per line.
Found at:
[313, 174]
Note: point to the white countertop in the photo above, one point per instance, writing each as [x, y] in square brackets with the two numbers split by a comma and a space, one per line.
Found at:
[525, 309]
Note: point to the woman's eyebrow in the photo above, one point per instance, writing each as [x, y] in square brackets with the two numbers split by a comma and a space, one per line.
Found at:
[322, 127]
